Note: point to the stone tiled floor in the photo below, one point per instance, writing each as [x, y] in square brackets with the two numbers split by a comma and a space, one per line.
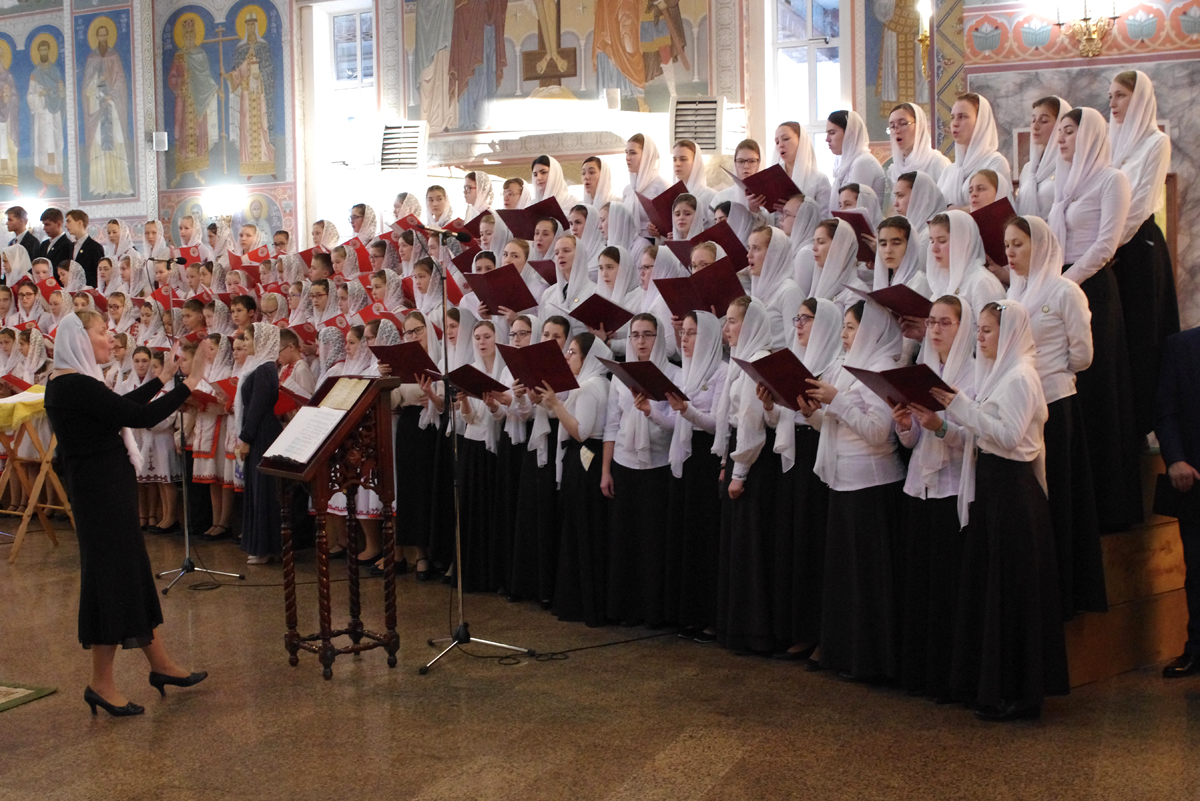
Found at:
[656, 719]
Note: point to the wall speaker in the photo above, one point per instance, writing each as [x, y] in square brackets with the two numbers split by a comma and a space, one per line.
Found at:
[159, 143]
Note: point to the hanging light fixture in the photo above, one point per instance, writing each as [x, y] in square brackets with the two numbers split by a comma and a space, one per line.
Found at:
[925, 12]
[1085, 23]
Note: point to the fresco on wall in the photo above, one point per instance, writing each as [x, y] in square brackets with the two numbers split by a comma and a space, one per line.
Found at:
[32, 115]
[893, 62]
[636, 54]
[104, 105]
[10, 8]
[223, 96]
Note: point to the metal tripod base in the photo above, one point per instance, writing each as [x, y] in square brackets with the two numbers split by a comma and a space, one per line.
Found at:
[462, 636]
[190, 567]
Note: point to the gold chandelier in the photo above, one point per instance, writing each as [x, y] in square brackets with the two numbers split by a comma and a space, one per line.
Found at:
[1086, 28]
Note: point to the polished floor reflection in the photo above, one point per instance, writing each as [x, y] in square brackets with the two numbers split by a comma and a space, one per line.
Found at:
[656, 719]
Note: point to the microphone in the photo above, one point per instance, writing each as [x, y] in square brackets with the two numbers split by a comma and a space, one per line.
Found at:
[176, 260]
[461, 236]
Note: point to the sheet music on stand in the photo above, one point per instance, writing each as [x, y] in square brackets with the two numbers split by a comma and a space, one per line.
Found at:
[305, 434]
[344, 393]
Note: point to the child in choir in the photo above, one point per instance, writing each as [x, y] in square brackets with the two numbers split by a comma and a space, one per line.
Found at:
[848, 140]
[857, 458]
[1036, 193]
[957, 262]
[14, 261]
[1143, 261]
[437, 205]
[322, 267]
[122, 362]
[29, 307]
[933, 539]
[1009, 651]
[536, 532]
[257, 426]
[581, 577]
[834, 265]
[801, 506]
[104, 274]
[749, 479]
[694, 510]
[139, 375]
[162, 466]
[294, 372]
[1091, 206]
[973, 127]
[7, 305]
[686, 220]
[912, 151]
[209, 435]
[427, 289]
[795, 154]
[234, 474]
[323, 308]
[636, 475]
[1061, 324]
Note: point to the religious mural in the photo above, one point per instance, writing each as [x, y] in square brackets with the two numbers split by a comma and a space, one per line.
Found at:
[636, 54]
[104, 105]
[223, 99]
[33, 122]
[893, 62]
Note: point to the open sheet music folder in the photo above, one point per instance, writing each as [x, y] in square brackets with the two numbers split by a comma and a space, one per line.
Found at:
[305, 434]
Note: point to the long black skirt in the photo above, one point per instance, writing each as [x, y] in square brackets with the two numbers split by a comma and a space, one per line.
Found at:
[637, 545]
[694, 538]
[536, 528]
[416, 453]
[1151, 309]
[860, 605]
[1008, 641]
[1106, 402]
[1073, 511]
[744, 598]
[507, 485]
[801, 510]
[933, 547]
[441, 541]
[581, 581]
[476, 480]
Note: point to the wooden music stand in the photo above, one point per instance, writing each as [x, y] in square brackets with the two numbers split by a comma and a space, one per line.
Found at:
[357, 453]
[35, 490]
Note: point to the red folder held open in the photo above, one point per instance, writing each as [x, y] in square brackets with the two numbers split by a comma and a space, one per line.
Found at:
[774, 183]
[784, 375]
[538, 364]
[503, 287]
[714, 287]
[658, 208]
[522, 221]
[547, 269]
[643, 378]
[900, 300]
[408, 361]
[597, 311]
[903, 385]
[992, 220]
[858, 221]
[472, 380]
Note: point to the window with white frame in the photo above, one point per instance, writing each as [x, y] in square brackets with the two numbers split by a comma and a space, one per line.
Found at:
[354, 49]
[811, 67]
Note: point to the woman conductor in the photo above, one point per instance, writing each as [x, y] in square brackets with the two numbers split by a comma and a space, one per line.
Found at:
[118, 602]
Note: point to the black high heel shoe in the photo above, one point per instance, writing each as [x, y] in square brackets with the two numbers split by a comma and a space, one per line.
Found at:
[93, 699]
[159, 681]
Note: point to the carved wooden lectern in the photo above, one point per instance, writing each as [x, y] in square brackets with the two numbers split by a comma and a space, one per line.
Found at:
[356, 452]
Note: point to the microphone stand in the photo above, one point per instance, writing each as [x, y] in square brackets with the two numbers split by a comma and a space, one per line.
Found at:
[462, 633]
[188, 566]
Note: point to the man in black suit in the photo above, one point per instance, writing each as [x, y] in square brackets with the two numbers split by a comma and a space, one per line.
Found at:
[1178, 431]
[18, 226]
[56, 247]
[88, 252]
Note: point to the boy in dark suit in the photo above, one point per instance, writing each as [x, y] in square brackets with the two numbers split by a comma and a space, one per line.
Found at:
[88, 252]
[57, 246]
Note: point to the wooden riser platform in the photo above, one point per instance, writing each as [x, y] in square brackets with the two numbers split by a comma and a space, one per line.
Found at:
[1147, 617]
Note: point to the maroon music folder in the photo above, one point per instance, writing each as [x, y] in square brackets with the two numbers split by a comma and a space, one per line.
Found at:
[900, 300]
[465, 261]
[903, 385]
[991, 220]
[658, 208]
[408, 361]
[721, 234]
[547, 269]
[682, 250]
[643, 378]
[522, 221]
[597, 311]
[472, 380]
[773, 182]
[538, 364]
[503, 287]
[861, 225]
[714, 287]
[784, 375]
[472, 226]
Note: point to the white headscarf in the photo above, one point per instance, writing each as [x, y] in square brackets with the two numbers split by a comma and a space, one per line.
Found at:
[266, 351]
[841, 264]
[556, 186]
[1043, 161]
[464, 345]
[966, 256]
[329, 235]
[776, 268]
[911, 265]
[73, 351]
[868, 205]
[969, 160]
[361, 362]
[924, 201]
[76, 278]
[409, 204]
[433, 347]
[18, 260]
[604, 193]
[161, 249]
[491, 427]
[806, 175]
[634, 432]
[539, 434]
[824, 350]
[591, 242]
[623, 231]
[483, 194]
[648, 168]
[393, 298]
[932, 453]
[923, 158]
[1045, 268]
[740, 222]
[1141, 121]
[366, 231]
[808, 217]
[331, 350]
[1093, 155]
[1014, 351]
[591, 369]
[876, 347]
[698, 370]
[626, 283]
[666, 265]
[758, 332]
[430, 301]
[580, 284]
[514, 426]
[855, 143]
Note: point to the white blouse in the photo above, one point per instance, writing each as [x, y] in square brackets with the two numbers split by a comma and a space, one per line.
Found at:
[1009, 423]
[702, 405]
[589, 406]
[1062, 331]
[621, 413]
[1146, 170]
[1095, 222]
[865, 170]
[944, 483]
[866, 443]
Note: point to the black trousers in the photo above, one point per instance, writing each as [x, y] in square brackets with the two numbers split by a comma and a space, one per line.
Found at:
[1189, 532]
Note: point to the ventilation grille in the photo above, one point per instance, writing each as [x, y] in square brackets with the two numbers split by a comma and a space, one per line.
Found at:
[698, 119]
[402, 147]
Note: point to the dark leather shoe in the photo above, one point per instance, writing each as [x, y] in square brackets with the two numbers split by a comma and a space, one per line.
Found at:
[1186, 665]
[93, 699]
[1009, 711]
[160, 681]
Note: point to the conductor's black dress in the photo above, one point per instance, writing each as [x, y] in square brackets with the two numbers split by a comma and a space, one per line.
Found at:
[118, 602]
